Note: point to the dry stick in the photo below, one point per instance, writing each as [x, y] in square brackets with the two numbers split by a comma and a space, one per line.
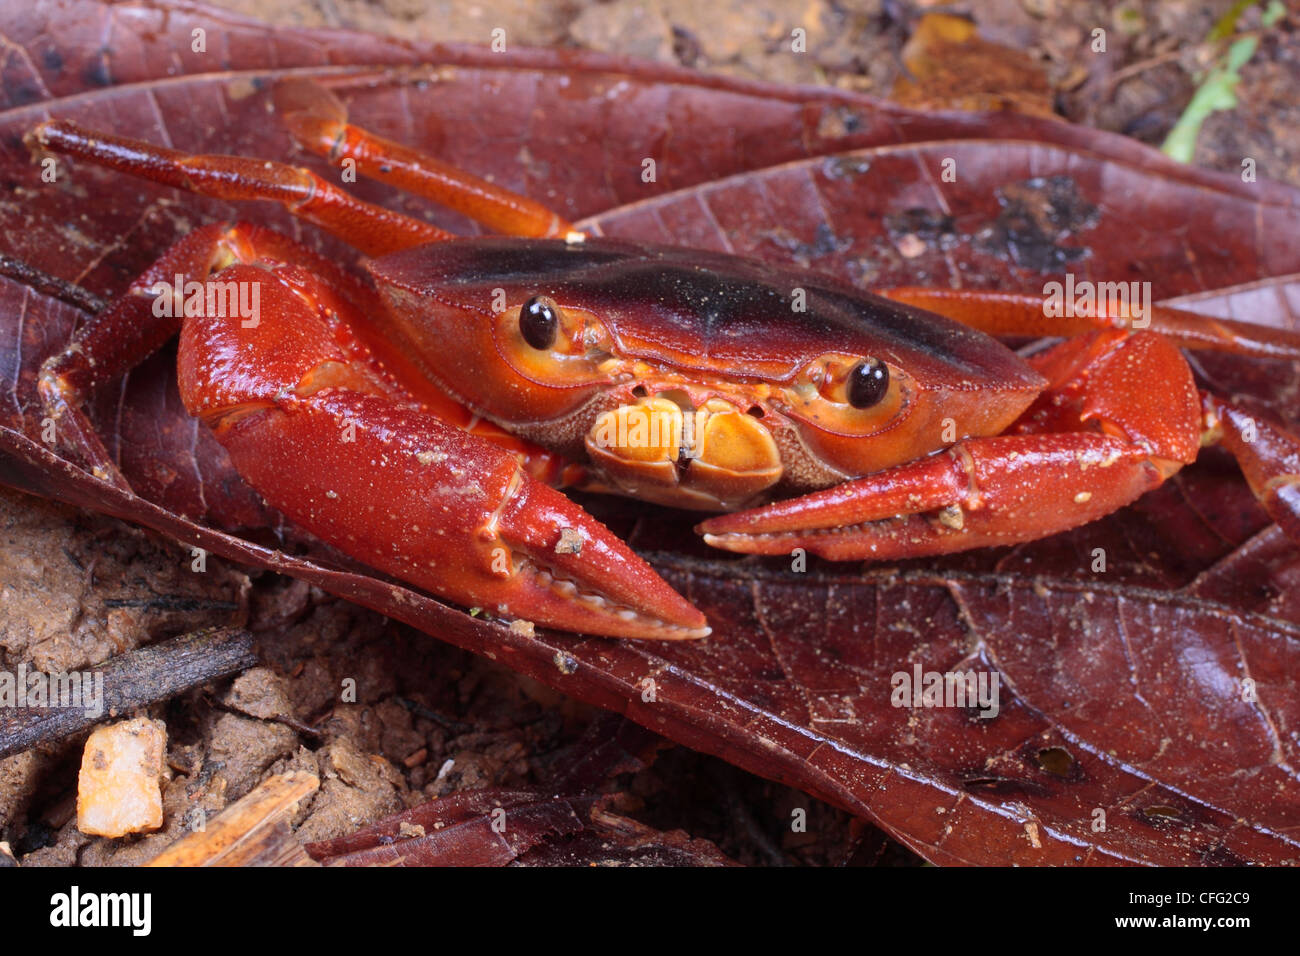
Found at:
[132, 680]
[49, 285]
[254, 831]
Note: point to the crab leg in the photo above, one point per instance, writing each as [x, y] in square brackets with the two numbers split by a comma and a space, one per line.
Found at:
[1268, 454]
[113, 342]
[318, 122]
[1120, 416]
[372, 229]
[1017, 314]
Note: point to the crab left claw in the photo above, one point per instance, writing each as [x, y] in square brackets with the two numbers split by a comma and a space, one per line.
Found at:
[453, 514]
[572, 572]
[352, 460]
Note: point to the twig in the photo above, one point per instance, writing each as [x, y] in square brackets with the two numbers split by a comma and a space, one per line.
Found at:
[50, 285]
[133, 680]
[254, 831]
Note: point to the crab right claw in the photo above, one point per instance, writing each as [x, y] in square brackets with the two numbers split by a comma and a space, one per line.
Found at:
[979, 493]
[1116, 441]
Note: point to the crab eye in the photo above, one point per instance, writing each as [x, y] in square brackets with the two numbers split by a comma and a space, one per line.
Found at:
[868, 383]
[538, 322]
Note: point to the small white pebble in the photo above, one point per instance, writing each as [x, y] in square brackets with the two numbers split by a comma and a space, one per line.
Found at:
[118, 789]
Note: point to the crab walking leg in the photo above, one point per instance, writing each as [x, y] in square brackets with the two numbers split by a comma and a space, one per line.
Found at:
[113, 342]
[1134, 395]
[329, 446]
[1016, 314]
[318, 122]
[372, 229]
[1268, 454]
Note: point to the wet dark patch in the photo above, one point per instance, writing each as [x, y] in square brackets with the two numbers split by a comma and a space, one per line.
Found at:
[1058, 762]
[838, 121]
[52, 59]
[824, 243]
[976, 714]
[1162, 816]
[1222, 856]
[1037, 216]
[22, 93]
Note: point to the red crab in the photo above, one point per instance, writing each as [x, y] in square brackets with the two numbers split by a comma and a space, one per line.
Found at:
[415, 414]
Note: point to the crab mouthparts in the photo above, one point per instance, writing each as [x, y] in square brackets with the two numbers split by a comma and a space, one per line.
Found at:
[664, 448]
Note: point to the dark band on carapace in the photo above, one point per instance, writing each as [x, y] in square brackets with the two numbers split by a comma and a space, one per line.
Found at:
[707, 311]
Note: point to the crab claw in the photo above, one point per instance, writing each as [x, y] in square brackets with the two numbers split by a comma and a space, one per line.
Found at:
[361, 465]
[422, 500]
[852, 520]
[978, 493]
[573, 572]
